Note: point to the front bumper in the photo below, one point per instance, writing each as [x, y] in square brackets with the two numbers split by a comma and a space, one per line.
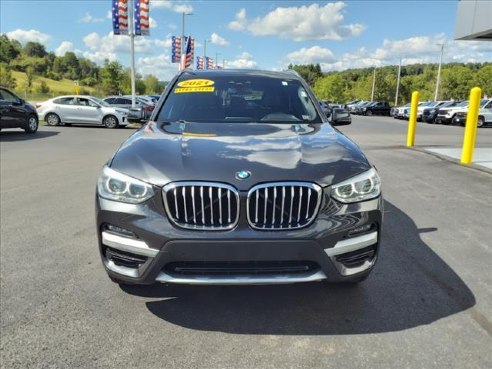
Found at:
[326, 246]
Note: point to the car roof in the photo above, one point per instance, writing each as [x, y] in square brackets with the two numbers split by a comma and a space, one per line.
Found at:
[289, 74]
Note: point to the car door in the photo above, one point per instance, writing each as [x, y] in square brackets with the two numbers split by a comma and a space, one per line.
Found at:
[88, 112]
[12, 113]
[65, 108]
[487, 112]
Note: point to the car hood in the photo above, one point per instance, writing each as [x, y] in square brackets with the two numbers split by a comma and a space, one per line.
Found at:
[160, 153]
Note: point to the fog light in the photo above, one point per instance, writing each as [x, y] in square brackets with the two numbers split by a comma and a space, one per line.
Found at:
[120, 231]
[362, 229]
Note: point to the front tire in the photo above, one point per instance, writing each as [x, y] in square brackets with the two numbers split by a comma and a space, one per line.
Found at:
[110, 121]
[369, 113]
[32, 124]
[481, 121]
[52, 119]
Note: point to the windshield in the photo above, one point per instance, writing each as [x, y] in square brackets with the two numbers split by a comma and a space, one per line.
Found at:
[243, 98]
[483, 102]
[100, 102]
[462, 104]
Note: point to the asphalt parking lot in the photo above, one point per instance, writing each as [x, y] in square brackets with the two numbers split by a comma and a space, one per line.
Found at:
[428, 304]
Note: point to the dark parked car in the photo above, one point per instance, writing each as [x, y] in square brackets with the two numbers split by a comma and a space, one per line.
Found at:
[377, 108]
[238, 179]
[429, 114]
[16, 113]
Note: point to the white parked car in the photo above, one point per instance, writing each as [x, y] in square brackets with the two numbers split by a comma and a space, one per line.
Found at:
[81, 110]
[484, 114]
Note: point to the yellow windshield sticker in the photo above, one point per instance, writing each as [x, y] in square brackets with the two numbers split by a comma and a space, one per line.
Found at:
[193, 89]
[196, 83]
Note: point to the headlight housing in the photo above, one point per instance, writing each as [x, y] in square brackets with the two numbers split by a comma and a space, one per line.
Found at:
[116, 186]
[364, 186]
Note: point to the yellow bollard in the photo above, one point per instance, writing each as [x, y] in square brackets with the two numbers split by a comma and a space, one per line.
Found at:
[471, 125]
[412, 122]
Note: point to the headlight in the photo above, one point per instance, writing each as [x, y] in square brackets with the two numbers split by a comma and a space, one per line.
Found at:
[123, 112]
[116, 186]
[362, 187]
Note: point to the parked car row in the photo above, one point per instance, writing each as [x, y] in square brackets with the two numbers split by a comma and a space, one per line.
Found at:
[370, 108]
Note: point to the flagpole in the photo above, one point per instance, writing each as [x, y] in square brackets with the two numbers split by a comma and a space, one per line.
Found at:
[132, 48]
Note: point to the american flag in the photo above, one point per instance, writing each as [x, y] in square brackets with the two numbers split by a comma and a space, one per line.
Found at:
[142, 17]
[199, 62]
[120, 17]
[176, 49]
[187, 58]
[209, 63]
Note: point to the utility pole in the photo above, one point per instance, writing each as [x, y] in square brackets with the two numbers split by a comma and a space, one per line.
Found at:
[439, 73]
[216, 59]
[205, 54]
[183, 43]
[398, 84]
[373, 84]
[132, 49]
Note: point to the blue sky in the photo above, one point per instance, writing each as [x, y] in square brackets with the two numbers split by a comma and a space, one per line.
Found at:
[253, 34]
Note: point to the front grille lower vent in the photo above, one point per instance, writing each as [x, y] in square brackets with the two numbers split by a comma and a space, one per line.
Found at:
[283, 205]
[240, 267]
[202, 205]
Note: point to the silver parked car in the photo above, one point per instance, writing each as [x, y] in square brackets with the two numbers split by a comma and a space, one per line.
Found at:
[81, 110]
[143, 108]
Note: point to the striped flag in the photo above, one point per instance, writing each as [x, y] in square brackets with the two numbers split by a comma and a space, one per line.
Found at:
[142, 20]
[209, 63]
[176, 49]
[187, 58]
[120, 17]
[199, 62]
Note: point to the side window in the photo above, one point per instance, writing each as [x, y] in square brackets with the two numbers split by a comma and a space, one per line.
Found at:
[92, 104]
[64, 101]
[8, 96]
[110, 100]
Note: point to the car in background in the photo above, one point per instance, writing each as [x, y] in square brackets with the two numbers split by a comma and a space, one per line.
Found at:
[358, 108]
[338, 114]
[429, 114]
[484, 114]
[155, 98]
[446, 115]
[142, 111]
[73, 109]
[399, 111]
[17, 113]
[377, 108]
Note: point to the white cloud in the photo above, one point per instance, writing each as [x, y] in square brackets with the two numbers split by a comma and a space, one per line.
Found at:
[88, 18]
[171, 5]
[160, 66]
[172, 26]
[315, 54]
[217, 40]
[107, 47]
[307, 22]
[243, 61]
[153, 23]
[412, 50]
[63, 48]
[109, 15]
[24, 36]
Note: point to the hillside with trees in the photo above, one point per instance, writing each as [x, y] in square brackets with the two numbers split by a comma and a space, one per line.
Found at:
[31, 70]
[456, 82]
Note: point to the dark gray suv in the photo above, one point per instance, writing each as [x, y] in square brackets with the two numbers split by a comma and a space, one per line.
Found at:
[238, 178]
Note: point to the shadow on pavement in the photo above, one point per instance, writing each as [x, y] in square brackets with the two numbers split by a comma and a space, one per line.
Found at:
[7, 136]
[411, 286]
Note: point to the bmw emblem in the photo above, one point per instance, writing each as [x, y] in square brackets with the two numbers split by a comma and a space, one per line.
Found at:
[243, 174]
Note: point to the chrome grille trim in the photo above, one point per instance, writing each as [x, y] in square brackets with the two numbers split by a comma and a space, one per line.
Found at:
[191, 205]
[283, 205]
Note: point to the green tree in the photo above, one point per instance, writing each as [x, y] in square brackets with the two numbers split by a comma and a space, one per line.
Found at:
[9, 49]
[111, 77]
[6, 78]
[152, 85]
[310, 72]
[35, 49]
[42, 88]
[29, 77]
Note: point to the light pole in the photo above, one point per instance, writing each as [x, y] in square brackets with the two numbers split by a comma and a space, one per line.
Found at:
[373, 84]
[183, 45]
[438, 81]
[398, 84]
[205, 53]
[216, 59]
[132, 50]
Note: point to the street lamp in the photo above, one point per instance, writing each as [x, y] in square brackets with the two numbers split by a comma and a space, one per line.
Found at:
[438, 81]
[183, 56]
